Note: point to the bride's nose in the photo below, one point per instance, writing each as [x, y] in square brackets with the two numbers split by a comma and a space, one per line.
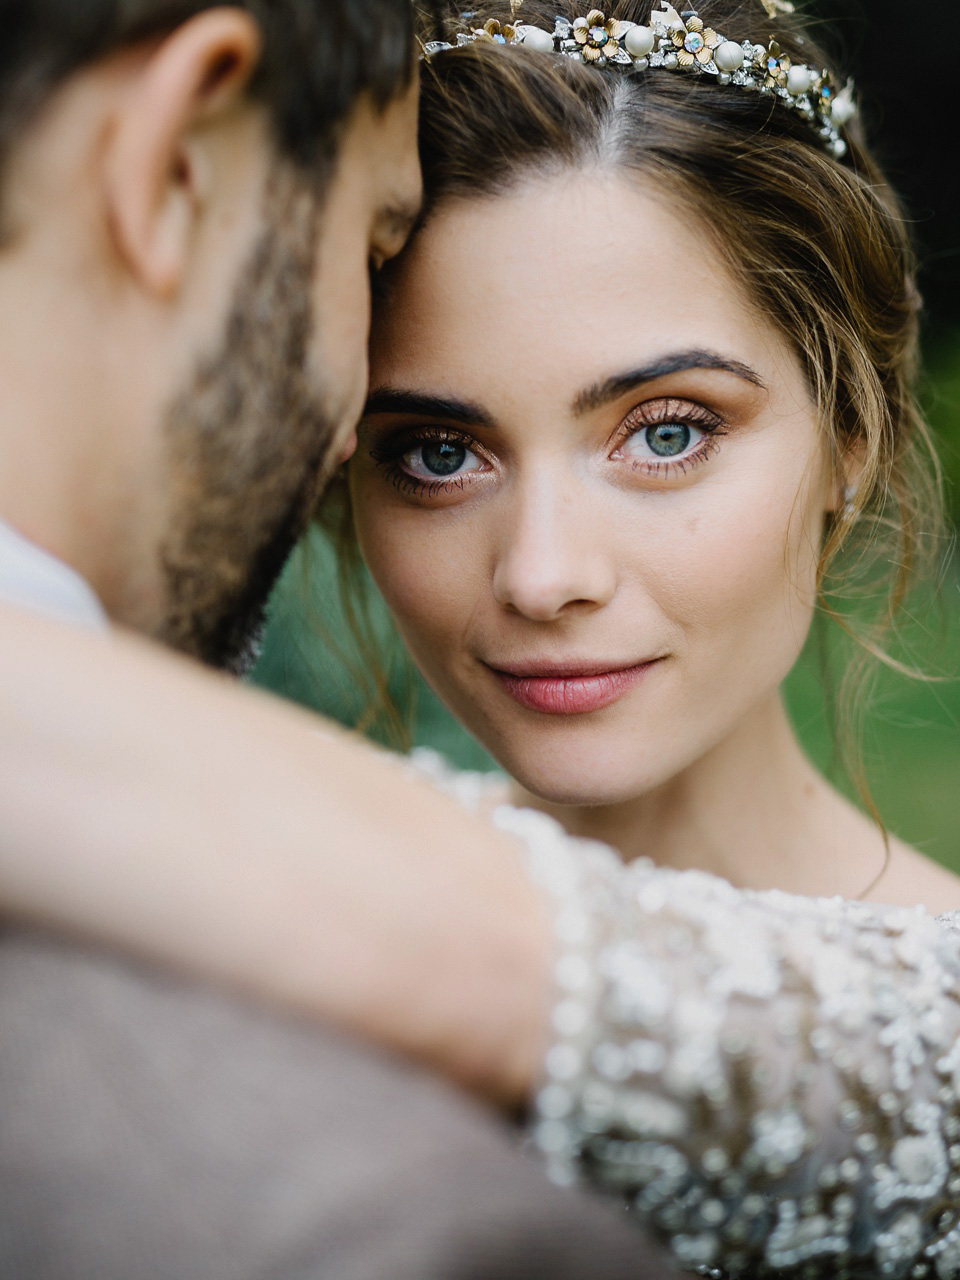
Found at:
[553, 557]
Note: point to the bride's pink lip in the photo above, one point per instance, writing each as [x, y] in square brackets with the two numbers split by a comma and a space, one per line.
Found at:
[570, 693]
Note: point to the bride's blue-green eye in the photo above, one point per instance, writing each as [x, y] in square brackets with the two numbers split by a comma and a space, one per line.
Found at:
[669, 440]
[664, 441]
[443, 459]
[440, 460]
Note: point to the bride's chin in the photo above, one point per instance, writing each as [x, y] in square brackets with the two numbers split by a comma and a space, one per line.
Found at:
[574, 786]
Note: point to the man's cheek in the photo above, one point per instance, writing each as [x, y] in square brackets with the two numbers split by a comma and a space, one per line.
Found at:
[342, 338]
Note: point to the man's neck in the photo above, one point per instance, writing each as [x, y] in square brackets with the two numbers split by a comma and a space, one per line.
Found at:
[33, 580]
[57, 488]
[59, 434]
[45, 485]
[55, 516]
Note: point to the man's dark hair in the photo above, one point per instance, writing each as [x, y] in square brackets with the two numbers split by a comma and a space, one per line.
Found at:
[319, 56]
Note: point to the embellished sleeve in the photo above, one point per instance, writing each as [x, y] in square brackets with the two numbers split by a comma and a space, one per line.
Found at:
[769, 1082]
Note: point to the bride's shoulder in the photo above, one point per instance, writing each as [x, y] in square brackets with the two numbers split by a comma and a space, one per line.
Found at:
[914, 878]
[474, 789]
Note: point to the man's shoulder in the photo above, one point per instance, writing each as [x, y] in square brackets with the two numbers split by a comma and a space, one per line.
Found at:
[157, 1128]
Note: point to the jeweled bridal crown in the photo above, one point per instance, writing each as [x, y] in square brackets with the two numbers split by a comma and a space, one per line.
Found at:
[682, 42]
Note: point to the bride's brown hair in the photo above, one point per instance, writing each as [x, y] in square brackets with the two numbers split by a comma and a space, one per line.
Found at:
[819, 244]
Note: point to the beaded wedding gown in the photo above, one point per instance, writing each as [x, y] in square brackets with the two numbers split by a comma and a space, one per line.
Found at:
[770, 1082]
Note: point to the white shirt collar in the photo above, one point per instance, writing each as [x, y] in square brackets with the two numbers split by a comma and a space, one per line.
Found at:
[34, 580]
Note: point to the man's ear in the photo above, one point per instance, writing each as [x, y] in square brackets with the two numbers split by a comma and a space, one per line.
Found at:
[153, 188]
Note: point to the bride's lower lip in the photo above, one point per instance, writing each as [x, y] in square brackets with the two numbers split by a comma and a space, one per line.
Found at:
[571, 695]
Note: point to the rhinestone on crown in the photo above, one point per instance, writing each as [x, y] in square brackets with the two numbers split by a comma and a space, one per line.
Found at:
[675, 41]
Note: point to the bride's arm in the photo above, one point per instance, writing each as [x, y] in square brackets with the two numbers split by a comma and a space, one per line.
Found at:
[773, 1082]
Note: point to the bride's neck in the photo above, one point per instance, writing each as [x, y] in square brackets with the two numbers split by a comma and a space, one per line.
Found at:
[753, 810]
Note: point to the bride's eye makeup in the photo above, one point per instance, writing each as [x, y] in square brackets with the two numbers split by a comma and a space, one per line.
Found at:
[662, 438]
[429, 460]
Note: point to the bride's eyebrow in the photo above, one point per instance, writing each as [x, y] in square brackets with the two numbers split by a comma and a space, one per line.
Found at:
[394, 400]
[601, 393]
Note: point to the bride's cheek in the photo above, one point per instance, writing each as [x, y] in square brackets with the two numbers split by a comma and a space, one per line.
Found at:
[754, 592]
[425, 574]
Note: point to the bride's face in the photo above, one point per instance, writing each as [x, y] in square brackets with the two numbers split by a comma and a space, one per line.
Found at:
[590, 484]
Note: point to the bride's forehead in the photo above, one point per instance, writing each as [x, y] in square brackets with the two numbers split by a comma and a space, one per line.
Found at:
[573, 212]
[573, 269]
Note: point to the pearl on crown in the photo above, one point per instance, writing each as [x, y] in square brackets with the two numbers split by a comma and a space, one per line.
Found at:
[535, 38]
[639, 41]
[728, 56]
[799, 80]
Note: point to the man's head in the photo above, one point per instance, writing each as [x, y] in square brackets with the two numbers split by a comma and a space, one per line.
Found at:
[191, 198]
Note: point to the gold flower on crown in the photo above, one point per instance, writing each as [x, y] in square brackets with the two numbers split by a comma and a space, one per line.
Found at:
[492, 30]
[695, 43]
[776, 67]
[597, 36]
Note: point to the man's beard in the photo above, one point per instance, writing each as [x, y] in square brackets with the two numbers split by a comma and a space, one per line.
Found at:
[247, 443]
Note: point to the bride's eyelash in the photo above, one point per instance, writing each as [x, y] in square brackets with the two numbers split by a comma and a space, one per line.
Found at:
[685, 413]
[389, 451]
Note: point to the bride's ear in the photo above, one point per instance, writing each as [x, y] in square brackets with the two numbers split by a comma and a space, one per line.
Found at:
[156, 171]
[848, 473]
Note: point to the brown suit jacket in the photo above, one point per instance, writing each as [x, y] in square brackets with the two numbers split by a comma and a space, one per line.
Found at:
[151, 1129]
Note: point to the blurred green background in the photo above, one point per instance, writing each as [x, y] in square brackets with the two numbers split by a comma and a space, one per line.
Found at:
[911, 732]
